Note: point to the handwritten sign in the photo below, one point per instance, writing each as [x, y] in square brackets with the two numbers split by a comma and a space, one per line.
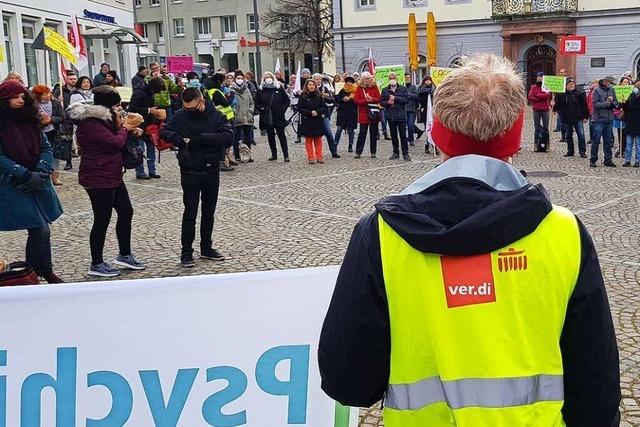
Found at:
[180, 64]
[623, 92]
[557, 84]
[438, 74]
[382, 74]
[58, 43]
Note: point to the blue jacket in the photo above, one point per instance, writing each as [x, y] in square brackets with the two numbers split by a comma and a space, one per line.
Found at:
[20, 210]
[395, 112]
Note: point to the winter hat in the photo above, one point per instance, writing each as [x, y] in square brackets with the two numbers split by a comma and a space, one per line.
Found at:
[539, 74]
[238, 73]
[570, 80]
[106, 96]
[306, 71]
[11, 89]
[349, 79]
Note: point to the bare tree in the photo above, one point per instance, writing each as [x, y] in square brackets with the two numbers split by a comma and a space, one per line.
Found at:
[299, 25]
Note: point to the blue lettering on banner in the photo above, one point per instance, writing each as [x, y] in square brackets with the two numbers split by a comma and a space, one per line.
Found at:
[212, 406]
[164, 413]
[99, 17]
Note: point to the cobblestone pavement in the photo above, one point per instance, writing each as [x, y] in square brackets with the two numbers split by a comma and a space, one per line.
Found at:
[276, 215]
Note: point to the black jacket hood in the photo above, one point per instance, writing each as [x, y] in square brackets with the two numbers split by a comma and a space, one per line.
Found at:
[456, 213]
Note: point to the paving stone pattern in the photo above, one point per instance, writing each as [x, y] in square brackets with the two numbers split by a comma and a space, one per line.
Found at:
[276, 215]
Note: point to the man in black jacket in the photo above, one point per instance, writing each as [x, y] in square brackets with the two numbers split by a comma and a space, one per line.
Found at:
[573, 110]
[142, 102]
[470, 299]
[202, 135]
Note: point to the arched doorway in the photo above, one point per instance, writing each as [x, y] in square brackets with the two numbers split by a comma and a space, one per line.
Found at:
[637, 66]
[539, 58]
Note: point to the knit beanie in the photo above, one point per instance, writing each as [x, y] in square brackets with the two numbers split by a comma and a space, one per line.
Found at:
[11, 89]
[106, 96]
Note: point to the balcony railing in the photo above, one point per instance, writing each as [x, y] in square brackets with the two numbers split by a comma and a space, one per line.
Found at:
[532, 8]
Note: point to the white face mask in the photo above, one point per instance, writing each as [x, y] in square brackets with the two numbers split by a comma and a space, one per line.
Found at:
[268, 81]
[393, 82]
[239, 82]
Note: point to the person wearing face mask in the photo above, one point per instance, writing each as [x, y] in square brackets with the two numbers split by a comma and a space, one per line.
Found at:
[27, 198]
[426, 92]
[573, 111]
[540, 100]
[143, 103]
[272, 102]
[394, 100]
[202, 135]
[632, 120]
[102, 133]
[243, 121]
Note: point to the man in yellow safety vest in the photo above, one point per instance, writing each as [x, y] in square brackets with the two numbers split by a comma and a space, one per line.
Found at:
[470, 299]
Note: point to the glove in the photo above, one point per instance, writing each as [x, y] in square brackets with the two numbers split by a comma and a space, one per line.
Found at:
[33, 181]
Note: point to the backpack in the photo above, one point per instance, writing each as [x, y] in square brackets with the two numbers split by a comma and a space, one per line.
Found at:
[132, 153]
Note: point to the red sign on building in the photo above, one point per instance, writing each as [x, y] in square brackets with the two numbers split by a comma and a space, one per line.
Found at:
[573, 45]
[249, 43]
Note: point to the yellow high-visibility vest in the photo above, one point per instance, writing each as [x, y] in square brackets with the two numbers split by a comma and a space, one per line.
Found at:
[226, 111]
[475, 340]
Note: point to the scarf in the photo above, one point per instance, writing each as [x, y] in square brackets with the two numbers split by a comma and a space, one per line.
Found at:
[350, 90]
[20, 137]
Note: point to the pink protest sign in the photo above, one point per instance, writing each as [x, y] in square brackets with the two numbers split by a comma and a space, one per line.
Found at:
[180, 64]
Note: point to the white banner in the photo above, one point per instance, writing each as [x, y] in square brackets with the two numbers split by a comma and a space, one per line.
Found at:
[224, 350]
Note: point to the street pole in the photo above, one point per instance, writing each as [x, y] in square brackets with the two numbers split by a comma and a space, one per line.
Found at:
[258, 56]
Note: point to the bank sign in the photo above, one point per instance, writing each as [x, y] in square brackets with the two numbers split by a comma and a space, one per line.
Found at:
[227, 350]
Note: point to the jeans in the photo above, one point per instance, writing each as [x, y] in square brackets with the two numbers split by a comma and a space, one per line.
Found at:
[244, 133]
[38, 250]
[582, 145]
[383, 120]
[561, 127]
[328, 133]
[631, 141]
[540, 121]
[399, 128]
[602, 130]
[362, 137]
[150, 149]
[194, 189]
[411, 125]
[271, 136]
[350, 131]
[103, 202]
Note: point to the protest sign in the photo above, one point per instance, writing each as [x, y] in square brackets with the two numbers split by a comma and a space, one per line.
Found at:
[58, 43]
[383, 71]
[557, 84]
[179, 64]
[623, 92]
[238, 349]
[573, 45]
[438, 74]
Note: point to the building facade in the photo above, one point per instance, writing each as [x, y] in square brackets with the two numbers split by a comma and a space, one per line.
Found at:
[526, 31]
[107, 26]
[220, 33]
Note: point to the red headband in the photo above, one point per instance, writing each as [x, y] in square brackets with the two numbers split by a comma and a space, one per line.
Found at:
[456, 144]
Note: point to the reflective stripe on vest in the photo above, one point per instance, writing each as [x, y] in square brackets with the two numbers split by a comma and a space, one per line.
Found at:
[226, 111]
[475, 340]
[476, 392]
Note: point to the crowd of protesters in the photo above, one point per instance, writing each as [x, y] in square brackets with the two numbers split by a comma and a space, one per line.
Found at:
[210, 121]
[608, 117]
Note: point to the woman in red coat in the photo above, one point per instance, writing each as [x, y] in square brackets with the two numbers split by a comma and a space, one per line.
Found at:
[367, 94]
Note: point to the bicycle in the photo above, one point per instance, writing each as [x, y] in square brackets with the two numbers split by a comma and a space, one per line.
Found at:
[292, 117]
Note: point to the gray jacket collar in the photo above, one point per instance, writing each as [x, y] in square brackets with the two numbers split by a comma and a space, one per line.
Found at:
[498, 174]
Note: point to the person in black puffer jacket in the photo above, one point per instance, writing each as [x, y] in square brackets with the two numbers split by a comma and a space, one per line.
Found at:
[632, 122]
[313, 110]
[347, 112]
[202, 135]
[272, 102]
[573, 109]
[394, 100]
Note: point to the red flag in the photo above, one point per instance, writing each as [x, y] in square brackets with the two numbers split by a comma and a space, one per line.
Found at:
[75, 38]
[372, 64]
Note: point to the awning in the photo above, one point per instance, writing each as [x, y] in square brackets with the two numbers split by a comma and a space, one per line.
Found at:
[123, 35]
[145, 51]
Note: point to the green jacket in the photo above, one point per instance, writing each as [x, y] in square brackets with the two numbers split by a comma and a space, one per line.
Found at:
[163, 99]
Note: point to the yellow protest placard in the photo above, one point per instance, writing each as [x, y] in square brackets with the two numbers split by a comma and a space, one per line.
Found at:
[438, 74]
[58, 43]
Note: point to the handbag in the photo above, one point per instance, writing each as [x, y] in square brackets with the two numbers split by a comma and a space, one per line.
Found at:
[61, 146]
[18, 274]
[373, 113]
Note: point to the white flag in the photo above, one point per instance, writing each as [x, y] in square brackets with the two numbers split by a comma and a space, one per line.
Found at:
[429, 125]
[297, 88]
[277, 66]
[78, 43]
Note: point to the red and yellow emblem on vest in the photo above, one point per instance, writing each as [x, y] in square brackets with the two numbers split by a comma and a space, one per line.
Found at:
[512, 260]
[468, 280]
